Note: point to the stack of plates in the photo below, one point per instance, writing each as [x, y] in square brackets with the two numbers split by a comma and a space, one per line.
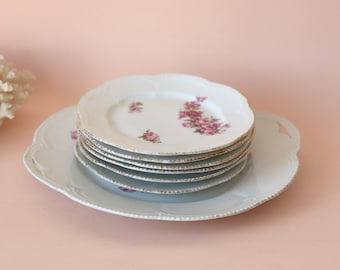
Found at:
[165, 147]
[164, 134]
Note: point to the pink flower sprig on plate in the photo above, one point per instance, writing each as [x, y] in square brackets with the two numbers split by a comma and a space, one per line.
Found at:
[150, 136]
[136, 107]
[74, 134]
[128, 190]
[192, 116]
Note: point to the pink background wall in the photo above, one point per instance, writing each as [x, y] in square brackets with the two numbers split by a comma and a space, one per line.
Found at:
[283, 55]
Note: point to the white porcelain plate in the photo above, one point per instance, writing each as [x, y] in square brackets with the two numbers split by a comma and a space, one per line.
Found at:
[136, 168]
[167, 114]
[108, 177]
[123, 155]
[127, 176]
[272, 167]
[215, 160]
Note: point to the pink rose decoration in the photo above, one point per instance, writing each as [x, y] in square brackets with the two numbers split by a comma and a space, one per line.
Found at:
[74, 134]
[201, 99]
[136, 107]
[193, 117]
[150, 136]
[128, 190]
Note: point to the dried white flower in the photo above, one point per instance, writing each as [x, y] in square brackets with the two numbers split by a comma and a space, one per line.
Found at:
[15, 88]
[5, 111]
[6, 87]
[10, 75]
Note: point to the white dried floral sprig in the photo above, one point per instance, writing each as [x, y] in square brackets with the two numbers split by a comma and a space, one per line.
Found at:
[15, 88]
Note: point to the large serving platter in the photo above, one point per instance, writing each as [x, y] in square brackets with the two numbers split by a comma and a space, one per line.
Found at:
[180, 114]
[271, 169]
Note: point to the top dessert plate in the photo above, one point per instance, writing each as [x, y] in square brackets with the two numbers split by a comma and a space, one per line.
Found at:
[167, 114]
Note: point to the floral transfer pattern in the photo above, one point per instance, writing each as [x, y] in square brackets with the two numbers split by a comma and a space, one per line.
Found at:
[128, 190]
[136, 107]
[193, 117]
[150, 136]
[74, 134]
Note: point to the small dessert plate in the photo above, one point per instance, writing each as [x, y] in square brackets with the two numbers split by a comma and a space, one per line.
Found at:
[167, 114]
[218, 159]
[172, 170]
[119, 154]
[106, 177]
[121, 175]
